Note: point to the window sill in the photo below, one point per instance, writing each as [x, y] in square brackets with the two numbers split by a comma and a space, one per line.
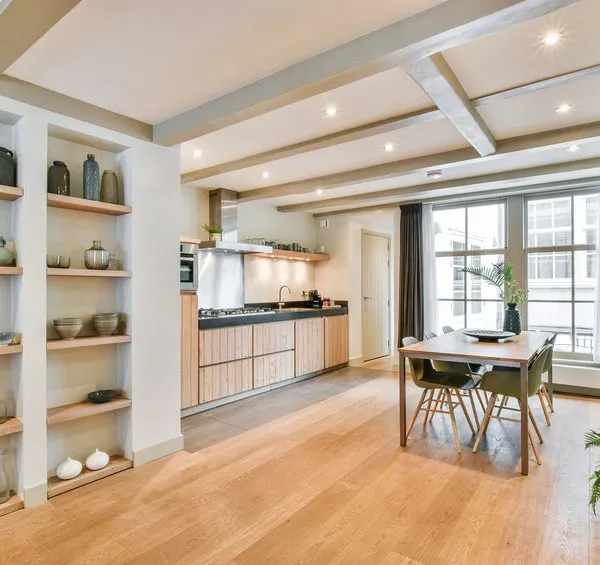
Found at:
[576, 363]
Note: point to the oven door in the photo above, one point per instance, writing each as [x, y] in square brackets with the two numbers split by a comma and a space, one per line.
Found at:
[188, 277]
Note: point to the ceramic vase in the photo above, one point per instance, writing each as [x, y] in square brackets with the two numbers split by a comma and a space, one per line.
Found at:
[4, 484]
[96, 257]
[91, 178]
[97, 460]
[8, 167]
[109, 189]
[59, 179]
[69, 469]
[512, 319]
[7, 257]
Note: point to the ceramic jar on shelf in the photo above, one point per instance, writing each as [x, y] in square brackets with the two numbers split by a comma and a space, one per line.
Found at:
[8, 167]
[59, 179]
[7, 257]
[109, 188]
[91, 178]
[4, 482]
[96, 257]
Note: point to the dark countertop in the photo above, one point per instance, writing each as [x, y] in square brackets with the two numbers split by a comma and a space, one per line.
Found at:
[275, 316]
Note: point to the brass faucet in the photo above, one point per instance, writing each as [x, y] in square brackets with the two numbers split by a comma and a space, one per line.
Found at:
[281, 302]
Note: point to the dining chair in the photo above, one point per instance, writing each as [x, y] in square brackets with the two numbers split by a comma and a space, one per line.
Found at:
[507, 384]
[447, 329]
[446, 384]
[429, 335]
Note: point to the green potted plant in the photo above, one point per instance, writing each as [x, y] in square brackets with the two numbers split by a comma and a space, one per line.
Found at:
[592, 439]
[501, 276]
[214, 232]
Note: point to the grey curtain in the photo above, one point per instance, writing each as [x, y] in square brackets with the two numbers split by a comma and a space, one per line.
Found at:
[412, 313]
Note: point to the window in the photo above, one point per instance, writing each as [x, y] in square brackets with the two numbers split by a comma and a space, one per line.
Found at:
[471, 236]
[561, 259]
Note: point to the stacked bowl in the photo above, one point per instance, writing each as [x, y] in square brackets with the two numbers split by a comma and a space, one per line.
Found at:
[67, 328]
[105, 324]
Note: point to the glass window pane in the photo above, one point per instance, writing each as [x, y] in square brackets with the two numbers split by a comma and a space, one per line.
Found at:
[450, 225]
[585, 216]
[584, 328]
[446, 314]
[552, 317]
[477, 288]
[549, 222]
[486, 226]
[552, 276]
[450, 279]
[485, 315]
[585, 275]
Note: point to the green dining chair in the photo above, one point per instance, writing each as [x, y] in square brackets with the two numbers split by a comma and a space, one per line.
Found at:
[447, 329]
[446, 384]
[507, 384]
[429, 335]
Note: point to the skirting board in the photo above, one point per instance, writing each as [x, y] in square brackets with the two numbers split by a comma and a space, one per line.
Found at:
[36, 495]
[157, 451]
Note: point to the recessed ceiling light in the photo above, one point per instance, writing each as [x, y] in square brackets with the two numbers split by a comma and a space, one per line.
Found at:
[265, 174]
[319, 191]
[331, 111]
[573, 148]
[436, 174]
[389, 147]
[197, 153]
[564, 108]
[552, 38]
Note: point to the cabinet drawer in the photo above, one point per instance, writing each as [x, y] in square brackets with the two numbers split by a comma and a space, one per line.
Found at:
[273, 337]
[224, 344]
[273, 368]
[218, 381]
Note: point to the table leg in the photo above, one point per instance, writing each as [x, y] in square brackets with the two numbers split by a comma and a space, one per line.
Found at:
[402, 398]
[524, 419]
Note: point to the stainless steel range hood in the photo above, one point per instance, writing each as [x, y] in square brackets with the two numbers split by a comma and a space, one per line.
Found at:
[223, 213]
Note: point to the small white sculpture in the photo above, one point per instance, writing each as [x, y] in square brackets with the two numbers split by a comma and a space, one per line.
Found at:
[69, 469]
[97, 460]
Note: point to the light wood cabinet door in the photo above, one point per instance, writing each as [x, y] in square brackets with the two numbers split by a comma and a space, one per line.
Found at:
[218, 381]
[310, 346]
[189, 350]
[225, 344]
[273, 337]
[273, 368]
[336, 340]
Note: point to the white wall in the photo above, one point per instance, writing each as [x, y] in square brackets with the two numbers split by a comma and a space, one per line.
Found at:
[194, 211]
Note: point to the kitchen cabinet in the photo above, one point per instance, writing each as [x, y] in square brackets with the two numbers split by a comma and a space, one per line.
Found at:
[273, 337]
[225, 379]
[224, 344]
[189, 349]
[273, 368]
[310, 346]
[336, 341]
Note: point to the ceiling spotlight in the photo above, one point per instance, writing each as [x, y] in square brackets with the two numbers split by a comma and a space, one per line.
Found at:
[265, 174]
[389, 147]
[331, 111]
[573, 148]
[552, 38]
[319, 191]
[564, 108]
[197, 153]
[436, 174]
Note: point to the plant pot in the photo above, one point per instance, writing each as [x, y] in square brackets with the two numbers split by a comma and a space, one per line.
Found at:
[59, 179]
[214, 237]
[512, 319]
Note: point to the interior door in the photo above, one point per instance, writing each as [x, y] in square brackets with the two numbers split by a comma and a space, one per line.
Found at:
[375, 266]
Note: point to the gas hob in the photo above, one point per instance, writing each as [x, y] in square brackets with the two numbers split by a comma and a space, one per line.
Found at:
[225, 312]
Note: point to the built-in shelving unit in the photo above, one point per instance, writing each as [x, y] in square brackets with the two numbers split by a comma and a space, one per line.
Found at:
[116, 464]
[15, 502]
[12, 427]
[56, 344]
[11, 271]
[185, 239]
[69, 412]
[295, 255]
[11, 349]
[83, 205]
[52, 272]
[10, 192]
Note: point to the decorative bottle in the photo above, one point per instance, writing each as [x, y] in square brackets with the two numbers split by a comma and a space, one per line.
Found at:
[59, 179]
[4, 484]
[109, 189]
[91, 178]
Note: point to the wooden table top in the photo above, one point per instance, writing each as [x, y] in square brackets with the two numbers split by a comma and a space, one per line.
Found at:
[518, 349]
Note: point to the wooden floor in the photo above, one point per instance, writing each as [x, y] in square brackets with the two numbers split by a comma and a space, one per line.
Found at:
[322, 480]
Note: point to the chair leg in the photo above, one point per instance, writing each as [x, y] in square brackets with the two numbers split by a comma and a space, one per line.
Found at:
[431, 395]
[540, 395]
[534, 448]
[474, 408]
[481, 402]
[503, 403]
[464, 409]
[547, 397]
[453, 418]
[416, 414]
[486, 419]
[436, 405]
[535, 426]
[493, 399]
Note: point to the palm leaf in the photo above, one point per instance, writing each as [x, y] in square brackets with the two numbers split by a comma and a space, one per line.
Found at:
[495, 275]
[592, 439]
[595, 491]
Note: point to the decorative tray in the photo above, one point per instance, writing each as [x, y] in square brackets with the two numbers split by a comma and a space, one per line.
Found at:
[488, 335]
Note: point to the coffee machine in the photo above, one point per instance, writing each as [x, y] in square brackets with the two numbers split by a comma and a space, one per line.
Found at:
[314, 299]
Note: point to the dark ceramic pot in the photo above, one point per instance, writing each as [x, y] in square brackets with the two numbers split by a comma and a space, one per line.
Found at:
[59, 179]
[512, 319]
[8, 167]
[91, 178]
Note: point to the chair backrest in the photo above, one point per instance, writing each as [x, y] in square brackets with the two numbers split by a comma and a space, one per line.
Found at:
[429, 335]
[536, 370]
[417, 366]
[447, 329]
[548, 364]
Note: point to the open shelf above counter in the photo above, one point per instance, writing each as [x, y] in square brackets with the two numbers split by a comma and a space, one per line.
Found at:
[11, 349]
[83, 205]
[11, 271]
[295, 255]
[70, 412]
[13, 426]
[116, 464]
[56, 344]
[52, 272]
[10, 192]
[15, 502]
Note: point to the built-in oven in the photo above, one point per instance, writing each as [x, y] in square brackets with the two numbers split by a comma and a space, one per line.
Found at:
[188, 266]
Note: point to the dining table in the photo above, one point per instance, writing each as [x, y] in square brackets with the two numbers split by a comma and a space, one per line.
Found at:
[516, 352]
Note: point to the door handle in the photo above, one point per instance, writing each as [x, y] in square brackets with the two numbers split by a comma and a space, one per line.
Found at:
[367, 298]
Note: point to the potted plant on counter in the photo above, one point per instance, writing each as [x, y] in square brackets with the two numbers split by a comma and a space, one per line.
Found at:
[214, 232]
[501, 276]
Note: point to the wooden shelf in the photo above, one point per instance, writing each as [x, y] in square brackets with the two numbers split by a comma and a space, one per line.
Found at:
[184, 239]
[11, 349]
[116, 464]
[52, 272]
[295, 255]
[13, 426]
[70, 412]
[11, 271]
[55, 344]
[15, 502]
[83, 205]
[10, 192]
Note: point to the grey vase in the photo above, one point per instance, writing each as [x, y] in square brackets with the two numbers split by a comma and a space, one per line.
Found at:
[109, 189]
[512, 319]
[59, 179]
[96, 257]
[8, 167]
[91, 178]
